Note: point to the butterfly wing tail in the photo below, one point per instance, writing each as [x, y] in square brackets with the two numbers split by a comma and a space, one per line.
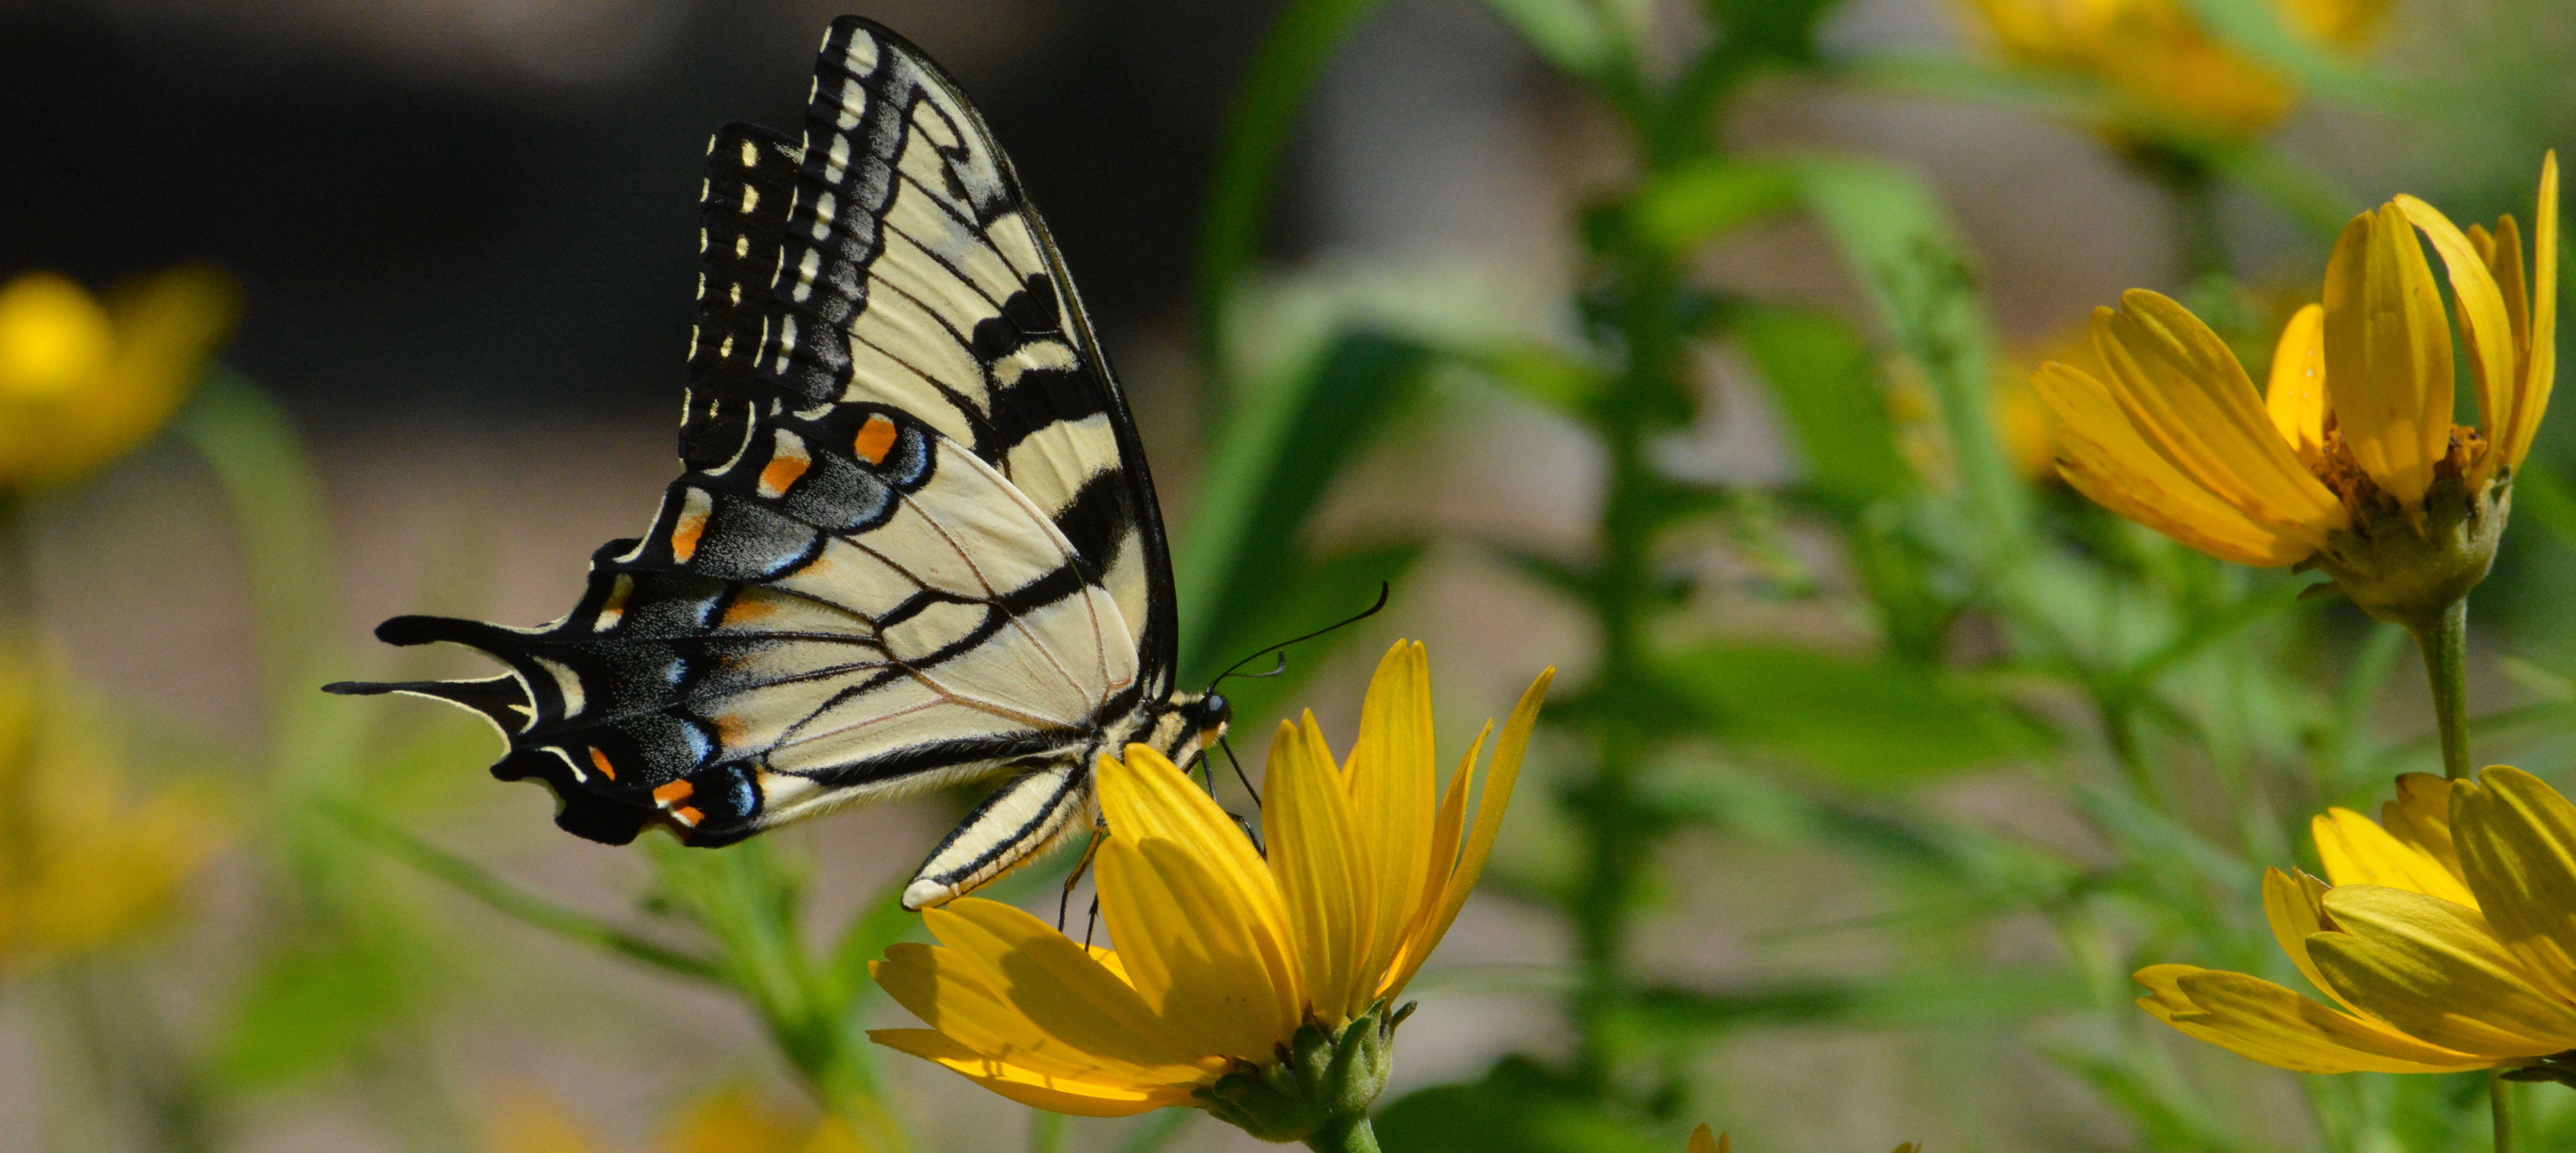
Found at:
[506, 702]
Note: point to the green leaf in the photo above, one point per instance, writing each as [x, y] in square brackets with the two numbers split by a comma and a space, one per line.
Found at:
[1866, 721]
[1782, 30]
[310, 1005]
[1517, 1108]
[266, 477]
[2257, 28]
[1826, 381]
[1273, 464]
[1539, 372]
[1706, 199]
[1901, 247]
[1566, 34]
[1927, 999]
[2543, 497]
[511, 899]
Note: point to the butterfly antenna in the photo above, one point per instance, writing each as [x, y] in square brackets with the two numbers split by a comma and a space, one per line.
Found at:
[1238, 773]
[1382, 590]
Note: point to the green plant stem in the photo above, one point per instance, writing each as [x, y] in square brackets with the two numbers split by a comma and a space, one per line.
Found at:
[1046, 1131]
[1344, 1135]
[2444, 641]
[2500, 1108]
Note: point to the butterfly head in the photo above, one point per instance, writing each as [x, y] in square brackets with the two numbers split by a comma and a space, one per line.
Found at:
[1190, 725]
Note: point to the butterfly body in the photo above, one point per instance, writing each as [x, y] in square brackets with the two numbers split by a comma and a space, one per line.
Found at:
[914, 543]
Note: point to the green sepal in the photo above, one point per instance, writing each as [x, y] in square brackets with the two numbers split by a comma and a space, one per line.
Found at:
[1318, 1079]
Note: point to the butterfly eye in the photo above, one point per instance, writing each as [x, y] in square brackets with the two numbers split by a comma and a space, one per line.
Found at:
[1211, 712]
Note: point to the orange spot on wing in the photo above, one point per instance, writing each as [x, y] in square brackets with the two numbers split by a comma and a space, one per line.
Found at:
[730, 730]
[684, 537]
[617, 594]
[876, 439]
[599, 760]
[675, 791]
[781, 473]
[688, 816]
[748, 609]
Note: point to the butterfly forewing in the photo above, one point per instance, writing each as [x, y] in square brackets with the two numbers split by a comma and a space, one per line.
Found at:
[914, 542]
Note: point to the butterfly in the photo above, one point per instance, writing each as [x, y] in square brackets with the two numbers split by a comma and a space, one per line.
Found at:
[914, 543]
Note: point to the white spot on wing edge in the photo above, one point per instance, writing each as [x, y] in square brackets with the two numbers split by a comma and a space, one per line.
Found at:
[786, 341]
[854, 104]
[862, 57]
[837, 161]
[567, 682]
[750, 154]
[806, 270]
[580, 776]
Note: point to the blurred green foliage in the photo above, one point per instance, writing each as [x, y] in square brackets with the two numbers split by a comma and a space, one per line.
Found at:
[2180, 718]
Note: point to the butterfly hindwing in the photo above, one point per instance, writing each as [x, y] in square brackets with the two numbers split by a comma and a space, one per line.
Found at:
[914, 542]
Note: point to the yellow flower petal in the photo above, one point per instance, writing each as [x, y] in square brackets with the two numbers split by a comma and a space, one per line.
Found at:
[54, 338]
[67, 406]
[2191, 401]
[1056, 1095]
[2485, 323]
[1061, 988]
[2296, 397]
[1447, 833]
[1701, 1142]
[1217, 926]
[2434, 971]
[1322, 869]
[2517, 844]
[2539, 367]
[2294, 905]
[2421, 816]
[1504, 774]
[2106, 460]
[1391, 787]
[2258, 1019]
[956, 994]
[2357, 851]
[2388, 354]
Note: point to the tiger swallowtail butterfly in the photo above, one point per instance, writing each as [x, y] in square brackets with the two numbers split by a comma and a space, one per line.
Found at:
[913, 544]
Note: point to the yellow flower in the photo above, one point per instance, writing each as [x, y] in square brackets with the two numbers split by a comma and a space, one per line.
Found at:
[2159, 56]
[2448, 935]
[2356, 428]
[1701, 1142]
[81, 863]
[728, 1120]
[1227, 964]
[82, 383]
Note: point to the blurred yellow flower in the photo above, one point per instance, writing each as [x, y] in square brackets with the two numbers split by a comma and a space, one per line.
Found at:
[729, 1120]
[2356, 430]
[2448, 935]
[2158, 55]
[82, 383]
[1701, 1142]
[1227, 965]
[81, 862]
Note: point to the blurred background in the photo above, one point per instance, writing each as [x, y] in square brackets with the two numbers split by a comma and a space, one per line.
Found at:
[1893, 870]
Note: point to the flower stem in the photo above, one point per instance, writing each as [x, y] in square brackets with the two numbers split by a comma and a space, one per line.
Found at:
[2500, 1105]
[2445, 643]
[1344, 1135]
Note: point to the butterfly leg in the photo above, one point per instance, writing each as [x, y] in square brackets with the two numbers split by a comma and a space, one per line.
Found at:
[1090, 849]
